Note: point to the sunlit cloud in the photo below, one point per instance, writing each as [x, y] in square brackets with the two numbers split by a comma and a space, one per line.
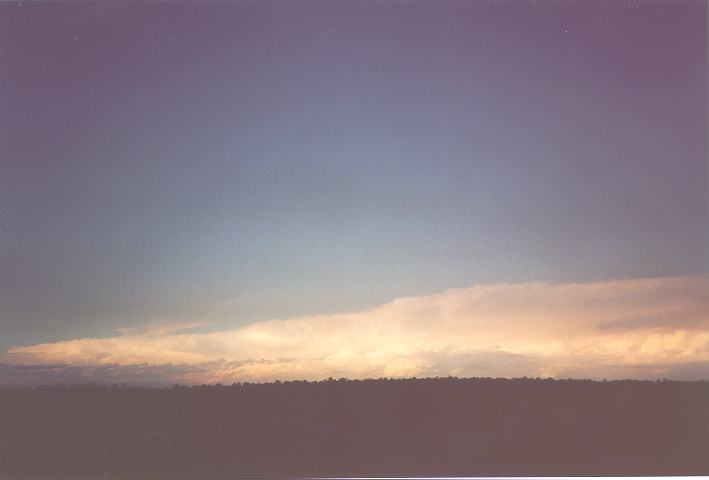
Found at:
[639, 328]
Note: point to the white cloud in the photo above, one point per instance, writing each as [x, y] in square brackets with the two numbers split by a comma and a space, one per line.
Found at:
[625, 328]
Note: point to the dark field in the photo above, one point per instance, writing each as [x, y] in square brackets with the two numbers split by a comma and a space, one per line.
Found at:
[441, 427]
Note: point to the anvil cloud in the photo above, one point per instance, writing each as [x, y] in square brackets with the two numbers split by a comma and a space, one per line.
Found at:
[640, 328]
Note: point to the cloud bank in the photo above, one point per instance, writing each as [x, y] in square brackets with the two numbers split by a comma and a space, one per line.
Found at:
[638, 328]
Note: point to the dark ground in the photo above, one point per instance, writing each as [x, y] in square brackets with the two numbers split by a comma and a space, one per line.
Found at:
[441, 427]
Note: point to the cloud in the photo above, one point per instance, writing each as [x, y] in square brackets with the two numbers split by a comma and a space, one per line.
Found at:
[161, 328]
[638, 328]
[141, 374]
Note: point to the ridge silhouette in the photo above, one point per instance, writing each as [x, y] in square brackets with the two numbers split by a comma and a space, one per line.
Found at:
[436, 426]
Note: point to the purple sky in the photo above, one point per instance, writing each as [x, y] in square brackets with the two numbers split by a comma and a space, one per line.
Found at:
[225, 163]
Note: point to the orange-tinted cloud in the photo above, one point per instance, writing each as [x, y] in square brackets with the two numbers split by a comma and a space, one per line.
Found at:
[624, 328]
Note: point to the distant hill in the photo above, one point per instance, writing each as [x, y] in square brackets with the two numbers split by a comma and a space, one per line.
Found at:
[441, 427]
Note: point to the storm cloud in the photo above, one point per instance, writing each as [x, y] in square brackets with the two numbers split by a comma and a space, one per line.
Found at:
[639, 328]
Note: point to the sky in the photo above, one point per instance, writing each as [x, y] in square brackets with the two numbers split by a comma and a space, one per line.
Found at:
[216, 191]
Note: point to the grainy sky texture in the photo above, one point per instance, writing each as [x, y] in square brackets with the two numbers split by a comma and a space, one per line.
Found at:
[242, 170]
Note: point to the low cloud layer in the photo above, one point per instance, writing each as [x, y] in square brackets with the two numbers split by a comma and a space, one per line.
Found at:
[644, 328]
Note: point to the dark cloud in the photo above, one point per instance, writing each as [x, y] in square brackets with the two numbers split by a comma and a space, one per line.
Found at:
[141, 374]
